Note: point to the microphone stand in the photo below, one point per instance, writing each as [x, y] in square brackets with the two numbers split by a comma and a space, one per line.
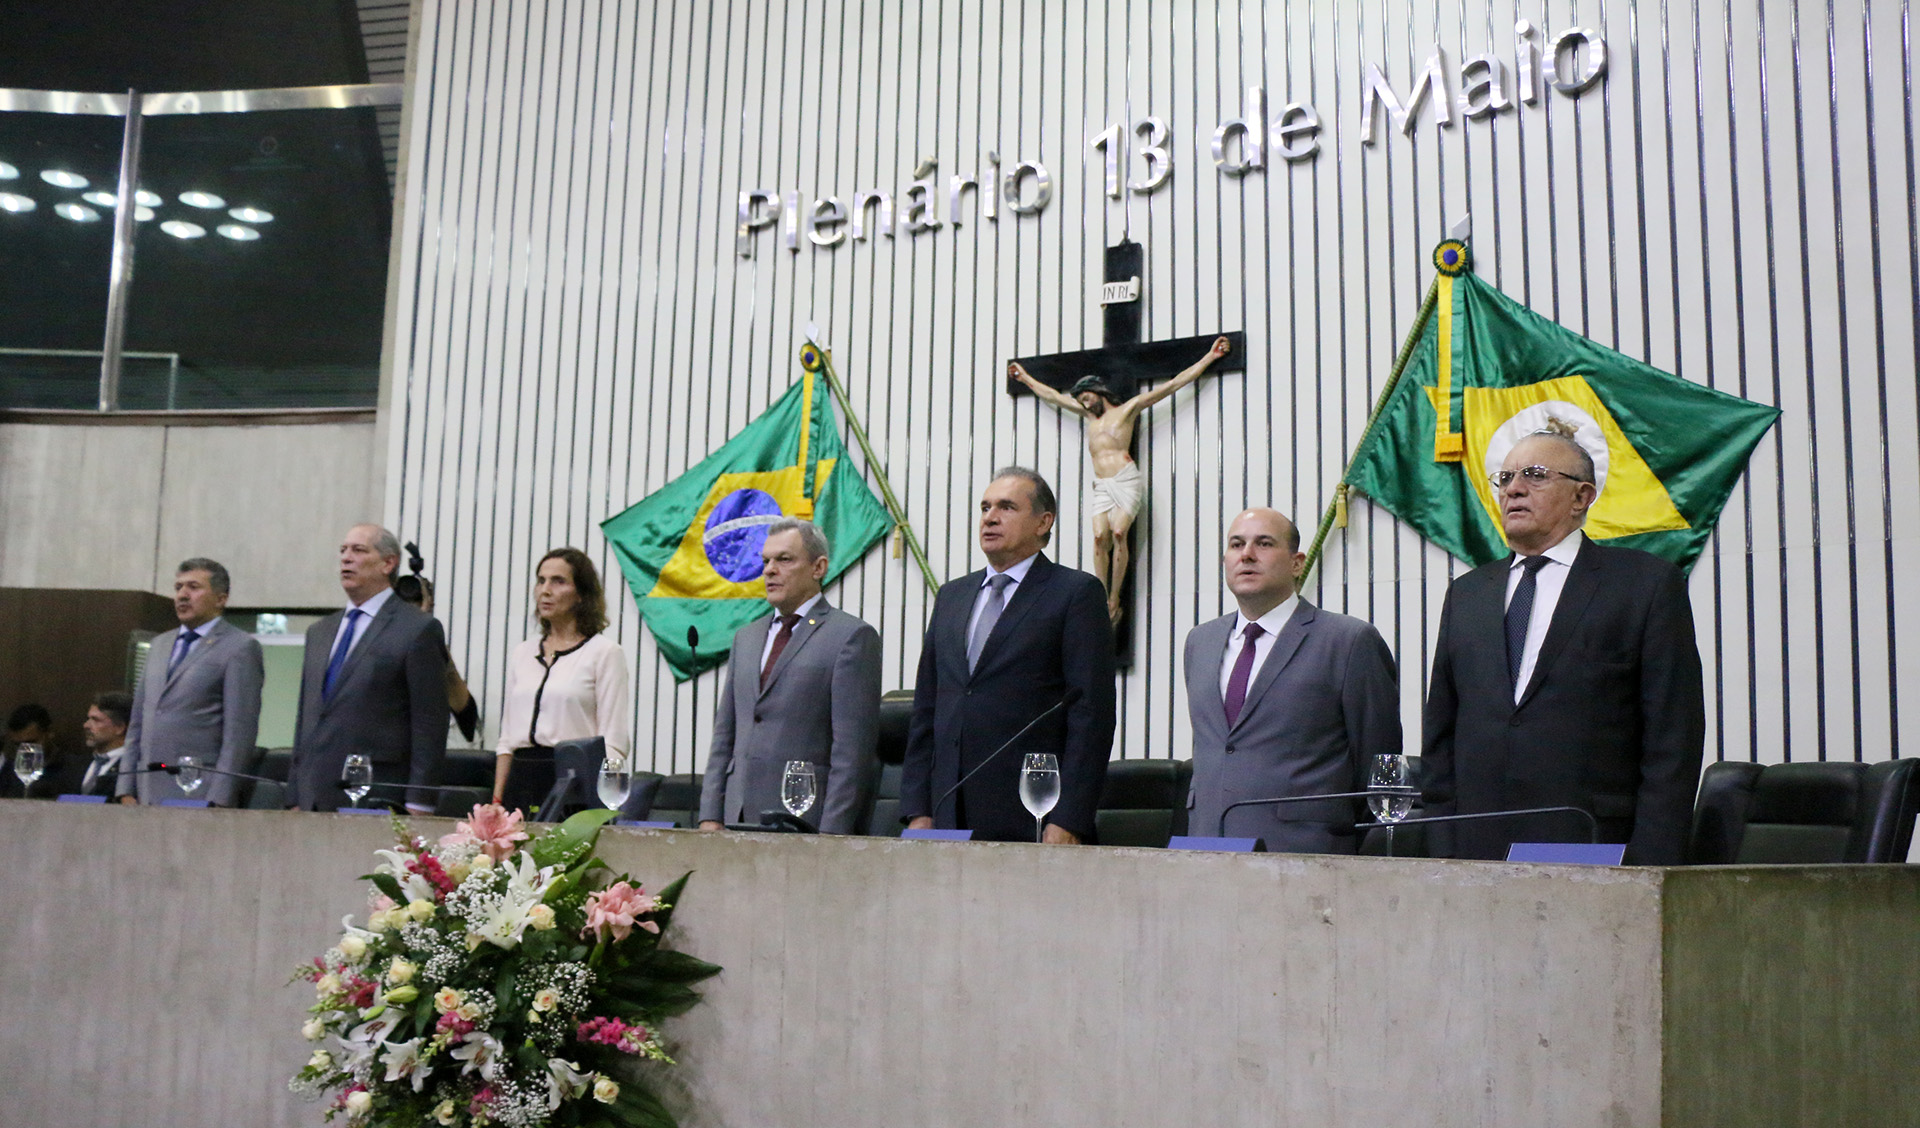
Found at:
[1396, 792]
[1593, 825]
[1048, 712]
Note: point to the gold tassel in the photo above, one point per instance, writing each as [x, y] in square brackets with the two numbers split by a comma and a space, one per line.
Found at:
[899, 541]
[1340, 506]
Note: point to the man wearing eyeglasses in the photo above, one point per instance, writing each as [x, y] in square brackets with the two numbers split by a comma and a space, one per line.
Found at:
[1564, 675]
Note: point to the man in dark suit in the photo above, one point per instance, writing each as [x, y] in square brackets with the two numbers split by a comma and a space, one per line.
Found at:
[808, 689]
[1286, 699]
[198, 697]
[105, 730]
[1006, 645]
[374, 683]
[1565, 675]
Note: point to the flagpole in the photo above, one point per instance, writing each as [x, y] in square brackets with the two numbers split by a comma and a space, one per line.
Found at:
[1393, 381]
[879, 472]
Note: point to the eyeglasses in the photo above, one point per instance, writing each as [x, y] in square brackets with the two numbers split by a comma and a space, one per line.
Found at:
[1501, 479]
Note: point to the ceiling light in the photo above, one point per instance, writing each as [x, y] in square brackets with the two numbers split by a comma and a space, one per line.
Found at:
[8, 172]
[147, 198]
[250, 215]
[181, 229]
[62, 179]
[238, 233]
[79, 213]
[15, 204]
[202, 200]
[142, 214]
[102, 199]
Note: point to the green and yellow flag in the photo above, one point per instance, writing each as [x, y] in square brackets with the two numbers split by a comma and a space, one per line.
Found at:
[691, 551]
[1482, 372]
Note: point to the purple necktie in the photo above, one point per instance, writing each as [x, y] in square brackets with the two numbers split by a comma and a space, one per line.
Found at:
[1242, 671]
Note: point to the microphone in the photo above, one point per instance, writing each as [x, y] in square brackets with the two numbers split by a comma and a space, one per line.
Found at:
[693, 640]
[1283, 800]
[176, 769]
[1068, 698]
[342, 785]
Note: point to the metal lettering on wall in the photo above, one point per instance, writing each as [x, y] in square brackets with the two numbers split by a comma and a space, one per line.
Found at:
[1571, 63]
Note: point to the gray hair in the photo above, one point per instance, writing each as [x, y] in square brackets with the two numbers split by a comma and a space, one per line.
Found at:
[385, 544]
[217, 577]
[1572, 444]
[1043, 499]
[811, 538]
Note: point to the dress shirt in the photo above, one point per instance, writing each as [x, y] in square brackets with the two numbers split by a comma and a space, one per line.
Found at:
[98, 768]
[1546, 596]
[580, 694]
[1018, 572]
[1271, 623]
[773, 631]
[200, 637]
[369, 609]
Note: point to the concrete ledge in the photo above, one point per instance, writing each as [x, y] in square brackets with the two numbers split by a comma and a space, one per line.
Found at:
[879, 982]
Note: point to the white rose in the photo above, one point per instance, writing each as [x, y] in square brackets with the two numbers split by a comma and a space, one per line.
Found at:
[605, 1089]
[420, 910]
[314, 1030]
[359, 1103]
[482, 862]
[541, 917]
[352, 946]
[400, 972]
[321, 1059]
[445, 1112]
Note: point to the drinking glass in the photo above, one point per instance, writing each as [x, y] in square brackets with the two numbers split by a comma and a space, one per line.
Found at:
[190, 778]
[797, 790]
[1039, 788]
[616, 783]
[357, 775]
[1389, 777]
[29, 761]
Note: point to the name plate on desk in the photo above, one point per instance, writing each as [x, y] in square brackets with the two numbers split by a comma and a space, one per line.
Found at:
[363, 811]
[938, 835]
[183, 803]
[646, 824]
[70, 798]
[1568, 853]
[1230, 845]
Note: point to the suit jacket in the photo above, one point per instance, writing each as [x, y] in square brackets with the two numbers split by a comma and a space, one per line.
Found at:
[822, 703]
[1323, 704]
[1053, 641]
[389, 703]
[208, 707]
[1613, 719]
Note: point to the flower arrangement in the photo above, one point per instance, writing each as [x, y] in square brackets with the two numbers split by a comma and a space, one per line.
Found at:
[497, 981]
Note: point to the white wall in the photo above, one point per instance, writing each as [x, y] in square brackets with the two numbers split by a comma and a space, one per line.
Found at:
[574, 327]
[118, 506]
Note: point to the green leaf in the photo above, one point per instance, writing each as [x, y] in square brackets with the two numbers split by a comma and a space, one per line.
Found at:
[570, 838]
[385, 883]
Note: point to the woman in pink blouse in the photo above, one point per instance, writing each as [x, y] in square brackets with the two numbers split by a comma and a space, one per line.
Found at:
[568, 684]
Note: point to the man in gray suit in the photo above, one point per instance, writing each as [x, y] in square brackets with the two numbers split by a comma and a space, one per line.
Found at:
[1286, 699]
[198, 697]
[373, 684]
[808, 689]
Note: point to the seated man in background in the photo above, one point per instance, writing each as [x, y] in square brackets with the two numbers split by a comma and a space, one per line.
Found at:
[105, 731]
[31, 724]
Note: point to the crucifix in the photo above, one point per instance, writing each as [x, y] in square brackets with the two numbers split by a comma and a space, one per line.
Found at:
[1103, 386]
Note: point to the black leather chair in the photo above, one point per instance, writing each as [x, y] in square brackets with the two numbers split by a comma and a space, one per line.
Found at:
[678, 800]
[885, 820]
[273, 764]
[1143, 803]
[896, 716]
[1805, 813]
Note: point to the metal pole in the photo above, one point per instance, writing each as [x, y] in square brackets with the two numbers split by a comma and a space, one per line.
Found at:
[120, 274]
[879, 471]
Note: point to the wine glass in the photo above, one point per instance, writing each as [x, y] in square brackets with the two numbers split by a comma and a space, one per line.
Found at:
[797, 790]
[615, 784]
[29, 761]
[1039, 788]
[358, 776]
[190, 778]
[1388, 777]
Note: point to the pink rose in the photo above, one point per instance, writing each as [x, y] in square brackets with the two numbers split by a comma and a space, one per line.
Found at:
[613, 911]
[492, 827]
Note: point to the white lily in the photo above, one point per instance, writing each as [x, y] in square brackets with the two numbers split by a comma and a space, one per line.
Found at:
[364, 1040]
[394, 865]
[402, 1059]
[565, 1081]
[526, 885]
[480, 1052]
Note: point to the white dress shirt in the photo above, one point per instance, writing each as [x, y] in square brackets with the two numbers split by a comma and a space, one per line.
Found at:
[199, 638]
[1271, 623]
[100, 767]
[581, 694]
[370, 608]
[773, 631]
[1018, 572]
[1548, 583]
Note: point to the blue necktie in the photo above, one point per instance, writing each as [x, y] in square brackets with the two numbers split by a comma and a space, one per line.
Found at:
[340, 649]
[1520, 615]
[180, 647]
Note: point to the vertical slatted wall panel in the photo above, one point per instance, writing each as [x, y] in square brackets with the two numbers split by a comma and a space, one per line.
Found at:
[1734, 203]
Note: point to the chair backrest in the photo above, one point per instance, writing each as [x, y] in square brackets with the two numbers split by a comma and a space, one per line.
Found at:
[646, 788]
[1805, 813]
[468, 767]
[896, 717]
[678, 799]
[1143, 803]
[885, 821]
[275, 763]
[576, 778]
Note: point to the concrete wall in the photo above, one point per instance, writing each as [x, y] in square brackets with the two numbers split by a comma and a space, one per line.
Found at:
[879, 982]
[118, 506]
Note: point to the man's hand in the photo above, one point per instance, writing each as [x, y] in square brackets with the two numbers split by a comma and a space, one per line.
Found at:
[711, 824]
[921, 822]
[129, 801]
[1059, 836]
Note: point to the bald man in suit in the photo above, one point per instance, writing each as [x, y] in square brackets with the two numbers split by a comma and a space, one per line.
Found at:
[1286, 699]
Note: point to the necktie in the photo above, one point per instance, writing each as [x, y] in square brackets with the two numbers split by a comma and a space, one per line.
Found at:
[1520, 614]
[340, 649]
[1242, 673]
[779, 643]
[989, 615]
[180, 647]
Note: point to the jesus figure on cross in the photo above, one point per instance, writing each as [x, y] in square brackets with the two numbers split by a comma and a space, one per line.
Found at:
[1118, 489]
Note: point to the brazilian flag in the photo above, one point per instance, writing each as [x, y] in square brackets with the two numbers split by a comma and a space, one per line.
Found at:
[691, 552]
[1483, 372]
